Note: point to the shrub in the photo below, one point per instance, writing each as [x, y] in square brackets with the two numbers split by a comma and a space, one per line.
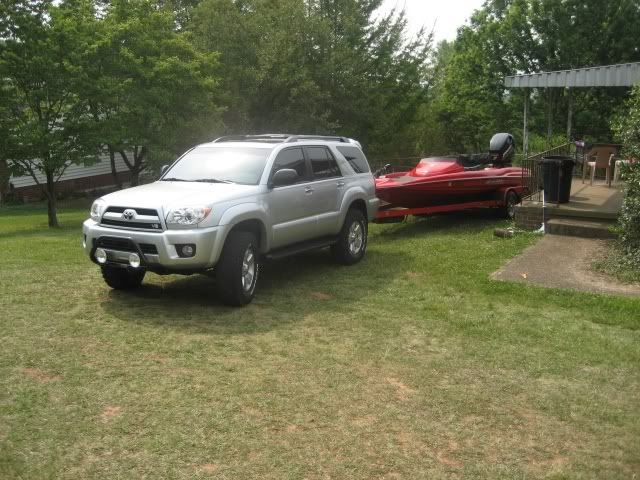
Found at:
[626, 127]
[629, 219]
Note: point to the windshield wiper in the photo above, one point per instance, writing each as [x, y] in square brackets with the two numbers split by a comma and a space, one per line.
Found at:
[175, 180]
[212, 180]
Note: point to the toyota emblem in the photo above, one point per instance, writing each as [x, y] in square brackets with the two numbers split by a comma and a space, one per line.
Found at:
[129, 214]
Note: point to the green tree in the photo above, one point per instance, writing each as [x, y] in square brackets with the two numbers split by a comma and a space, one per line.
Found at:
[317, 66]
[151, 93]
[43, 126]
[626, 126]
[506, 37]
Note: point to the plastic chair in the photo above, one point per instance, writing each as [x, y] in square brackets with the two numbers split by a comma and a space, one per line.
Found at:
[617, 169]
[599, 158]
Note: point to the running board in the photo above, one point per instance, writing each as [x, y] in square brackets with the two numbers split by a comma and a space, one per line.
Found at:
[301, 247]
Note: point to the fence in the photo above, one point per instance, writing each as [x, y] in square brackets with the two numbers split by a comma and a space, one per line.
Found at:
[532, 168]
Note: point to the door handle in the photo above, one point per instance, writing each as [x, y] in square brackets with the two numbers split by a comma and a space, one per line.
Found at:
[340, 184]
[308, 190]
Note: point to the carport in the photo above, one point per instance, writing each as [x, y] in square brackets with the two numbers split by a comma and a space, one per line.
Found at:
[591, 209]
[607, 76]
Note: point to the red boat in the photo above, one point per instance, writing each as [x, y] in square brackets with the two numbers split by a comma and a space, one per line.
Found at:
[441, 184]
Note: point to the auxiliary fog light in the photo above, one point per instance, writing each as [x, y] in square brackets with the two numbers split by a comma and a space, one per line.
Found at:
[134, 260]
[188, 250]
[84, 241]
[101, 256]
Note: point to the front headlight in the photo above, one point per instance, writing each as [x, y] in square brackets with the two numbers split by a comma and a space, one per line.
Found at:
[97, 209]
[187, 215]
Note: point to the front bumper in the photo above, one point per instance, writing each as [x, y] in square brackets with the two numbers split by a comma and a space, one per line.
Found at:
[208, 243]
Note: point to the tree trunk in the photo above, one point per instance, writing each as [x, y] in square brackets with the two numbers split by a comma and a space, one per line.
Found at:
[114, 171]
[135, 177]
[52, 207]
[4, 179]
[138, 163]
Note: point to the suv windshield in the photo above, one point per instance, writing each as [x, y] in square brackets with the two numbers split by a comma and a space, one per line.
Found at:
[220, 164]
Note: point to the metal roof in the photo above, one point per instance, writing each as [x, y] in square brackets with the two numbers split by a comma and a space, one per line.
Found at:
[622, 75]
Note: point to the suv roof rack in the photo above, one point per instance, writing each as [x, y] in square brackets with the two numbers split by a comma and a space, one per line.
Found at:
[279, 138]
[269, 138]
[296, 138]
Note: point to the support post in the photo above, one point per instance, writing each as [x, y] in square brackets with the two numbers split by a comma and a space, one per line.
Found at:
[569, 113]
[525, 127]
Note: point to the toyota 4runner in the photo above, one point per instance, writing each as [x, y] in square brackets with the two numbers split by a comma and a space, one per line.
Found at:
[224, 206]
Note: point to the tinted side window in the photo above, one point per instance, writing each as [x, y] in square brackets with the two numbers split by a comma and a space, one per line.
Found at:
[291, 158]
[356, 159]
[323, 165]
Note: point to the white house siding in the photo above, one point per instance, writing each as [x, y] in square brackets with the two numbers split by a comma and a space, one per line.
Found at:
[102, 167]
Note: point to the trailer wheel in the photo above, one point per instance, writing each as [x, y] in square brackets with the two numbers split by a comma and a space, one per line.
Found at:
[509, 209]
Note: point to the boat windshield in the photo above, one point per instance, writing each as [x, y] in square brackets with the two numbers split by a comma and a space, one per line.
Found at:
[442, 159]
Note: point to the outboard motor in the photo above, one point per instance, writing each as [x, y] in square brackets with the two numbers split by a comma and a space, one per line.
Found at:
[501, 148]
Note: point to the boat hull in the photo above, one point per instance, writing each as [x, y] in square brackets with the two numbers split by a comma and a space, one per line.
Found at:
[409, 190]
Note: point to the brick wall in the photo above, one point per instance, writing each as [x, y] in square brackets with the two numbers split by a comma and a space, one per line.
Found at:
[529, 215]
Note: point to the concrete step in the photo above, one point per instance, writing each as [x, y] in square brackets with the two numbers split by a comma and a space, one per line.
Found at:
[575, 227]
[579, 212]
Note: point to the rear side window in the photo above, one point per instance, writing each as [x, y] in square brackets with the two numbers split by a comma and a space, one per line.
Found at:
[291, 158]
[323, 165]
[356, 159]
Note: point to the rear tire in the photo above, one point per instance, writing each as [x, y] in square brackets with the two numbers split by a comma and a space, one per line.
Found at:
[238, 268]
[352, 240]
[509, 209]
[122, 278]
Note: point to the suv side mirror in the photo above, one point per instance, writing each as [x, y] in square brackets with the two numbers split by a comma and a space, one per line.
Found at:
[285, 176]
[164, 169]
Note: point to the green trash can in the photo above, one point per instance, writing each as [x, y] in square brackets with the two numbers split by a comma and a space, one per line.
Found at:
[557, 171]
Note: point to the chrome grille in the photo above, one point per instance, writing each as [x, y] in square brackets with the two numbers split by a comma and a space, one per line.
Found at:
[132, 218]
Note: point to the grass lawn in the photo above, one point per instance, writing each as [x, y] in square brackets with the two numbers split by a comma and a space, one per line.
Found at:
[412, 364]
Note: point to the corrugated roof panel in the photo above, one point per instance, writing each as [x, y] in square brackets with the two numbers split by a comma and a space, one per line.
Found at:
[623, 75]
[75, 171]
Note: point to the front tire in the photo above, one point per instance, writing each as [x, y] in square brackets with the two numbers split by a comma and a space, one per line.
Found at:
[122, 278]
[238, 268]
[352, 240]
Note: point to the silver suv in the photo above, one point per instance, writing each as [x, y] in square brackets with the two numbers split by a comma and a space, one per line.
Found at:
[224, 206]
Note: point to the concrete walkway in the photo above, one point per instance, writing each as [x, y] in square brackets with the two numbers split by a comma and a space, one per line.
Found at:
[565, 262]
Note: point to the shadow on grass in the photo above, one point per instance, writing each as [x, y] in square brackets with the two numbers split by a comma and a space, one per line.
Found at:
[471, 221]
[289, 290]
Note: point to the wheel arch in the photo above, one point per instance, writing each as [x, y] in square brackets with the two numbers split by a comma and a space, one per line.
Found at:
[361, 205]
[256, 227]
[355, 198]
[504, 194]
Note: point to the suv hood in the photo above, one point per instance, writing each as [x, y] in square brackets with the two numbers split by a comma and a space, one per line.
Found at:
[178, 194]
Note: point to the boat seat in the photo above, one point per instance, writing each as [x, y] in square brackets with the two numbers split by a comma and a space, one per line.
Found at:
[472, 162]
[475, 168]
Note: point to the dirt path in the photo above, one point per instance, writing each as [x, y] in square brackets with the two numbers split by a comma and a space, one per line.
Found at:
[565, 262]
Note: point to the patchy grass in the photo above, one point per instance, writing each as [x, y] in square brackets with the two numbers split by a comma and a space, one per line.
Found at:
[412, 364]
